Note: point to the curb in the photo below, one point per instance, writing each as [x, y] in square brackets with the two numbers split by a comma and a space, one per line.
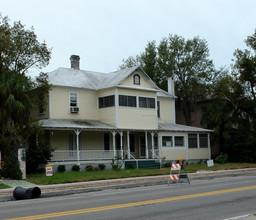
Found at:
[94, 186]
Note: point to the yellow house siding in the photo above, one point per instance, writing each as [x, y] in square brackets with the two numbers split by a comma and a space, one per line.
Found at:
[144, 83]
[89, 140]
[107, 115]
[202, 153]
[59, 139]
[166, 110]
[137, 118]
[60, 109]
[185, 154]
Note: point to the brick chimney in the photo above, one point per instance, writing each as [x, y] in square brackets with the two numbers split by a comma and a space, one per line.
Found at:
[75, 62]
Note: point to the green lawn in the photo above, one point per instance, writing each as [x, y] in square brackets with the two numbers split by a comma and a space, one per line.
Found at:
[3, 186]
[69, 177]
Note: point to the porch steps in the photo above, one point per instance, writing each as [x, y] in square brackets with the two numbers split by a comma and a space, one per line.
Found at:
[142, 164]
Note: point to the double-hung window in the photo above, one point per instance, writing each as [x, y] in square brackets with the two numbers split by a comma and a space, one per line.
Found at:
[107, 101]
[192, 141]
[179, 141]
[73, 102]
[203, 140]
[167, 141]
[125, 100]
[73, 99]
[145, 102]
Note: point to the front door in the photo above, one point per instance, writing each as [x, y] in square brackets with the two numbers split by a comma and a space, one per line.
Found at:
[142, 147]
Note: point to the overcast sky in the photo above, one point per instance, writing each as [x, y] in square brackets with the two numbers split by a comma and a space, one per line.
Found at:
[103, 32]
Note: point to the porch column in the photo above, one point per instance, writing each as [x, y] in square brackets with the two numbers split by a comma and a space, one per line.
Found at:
[77, 132]
[209, 145]
[114, 142]
[121, 144]
[146, 143]
[152, 144]
[128, 145]
[159, 146]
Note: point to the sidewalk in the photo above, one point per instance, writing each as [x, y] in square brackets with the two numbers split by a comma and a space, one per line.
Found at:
[81, 187]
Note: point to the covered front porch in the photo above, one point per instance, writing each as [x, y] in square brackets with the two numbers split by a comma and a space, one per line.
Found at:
[92, 140]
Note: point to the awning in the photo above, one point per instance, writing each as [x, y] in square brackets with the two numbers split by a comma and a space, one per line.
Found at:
[74, 124]
[180, 128]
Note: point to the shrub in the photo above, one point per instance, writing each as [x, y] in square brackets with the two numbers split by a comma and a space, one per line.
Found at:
[117, 163]
[222, 158]
[37, 155]
[76, 168]
[11, 168]
[89, 167]
[61, 168]
[102, 166]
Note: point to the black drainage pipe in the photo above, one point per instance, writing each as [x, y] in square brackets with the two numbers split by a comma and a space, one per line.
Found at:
[30, 193]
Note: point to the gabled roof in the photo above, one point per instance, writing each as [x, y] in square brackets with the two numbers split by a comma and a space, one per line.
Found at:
[92, 80]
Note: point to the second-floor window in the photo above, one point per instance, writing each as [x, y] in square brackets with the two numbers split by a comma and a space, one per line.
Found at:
[145, 102]
[136, 79]
[125, 100]
[106, 101]
[73, 99]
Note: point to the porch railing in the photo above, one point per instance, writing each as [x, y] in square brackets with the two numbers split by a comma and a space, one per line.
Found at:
[67, 155]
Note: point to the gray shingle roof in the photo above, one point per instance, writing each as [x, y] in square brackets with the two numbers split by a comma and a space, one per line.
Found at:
[74, 124]
[181, 128]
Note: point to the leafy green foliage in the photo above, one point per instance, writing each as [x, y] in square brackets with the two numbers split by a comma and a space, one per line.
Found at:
[221, 159]
[19, 51]
[102, 166]
[187, 61]
[11, 168]
[76, 168]
[117, 163]
[61, 168]
[38, 153]
[89, 167]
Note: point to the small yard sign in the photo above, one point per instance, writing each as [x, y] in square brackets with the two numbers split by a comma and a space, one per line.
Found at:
[210, 163]
[48, 170]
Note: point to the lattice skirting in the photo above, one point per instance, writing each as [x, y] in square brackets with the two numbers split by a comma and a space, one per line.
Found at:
[83, 164]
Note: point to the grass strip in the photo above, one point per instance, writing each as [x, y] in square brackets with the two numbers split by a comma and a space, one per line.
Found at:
[83, 176]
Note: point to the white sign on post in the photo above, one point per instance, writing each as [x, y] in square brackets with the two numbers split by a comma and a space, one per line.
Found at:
[210, 163]
[48, 170]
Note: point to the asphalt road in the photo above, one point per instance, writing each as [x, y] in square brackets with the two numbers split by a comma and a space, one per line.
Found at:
[218, 198]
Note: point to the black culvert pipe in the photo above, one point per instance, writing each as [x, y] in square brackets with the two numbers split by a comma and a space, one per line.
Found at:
[30, 193]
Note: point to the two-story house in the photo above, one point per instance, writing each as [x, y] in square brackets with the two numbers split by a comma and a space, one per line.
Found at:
[94, 116]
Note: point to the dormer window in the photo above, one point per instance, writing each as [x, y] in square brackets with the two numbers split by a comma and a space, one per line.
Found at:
[136, 79]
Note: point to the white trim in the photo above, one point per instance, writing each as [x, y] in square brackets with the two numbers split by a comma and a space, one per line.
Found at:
[128, 145]
[137, 88]
[146, 143]
[173, 111]
[49, 104]
[77, 101]
[116, 107]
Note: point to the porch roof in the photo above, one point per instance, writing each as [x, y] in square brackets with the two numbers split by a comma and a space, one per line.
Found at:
[181, 128]
[74, 124]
